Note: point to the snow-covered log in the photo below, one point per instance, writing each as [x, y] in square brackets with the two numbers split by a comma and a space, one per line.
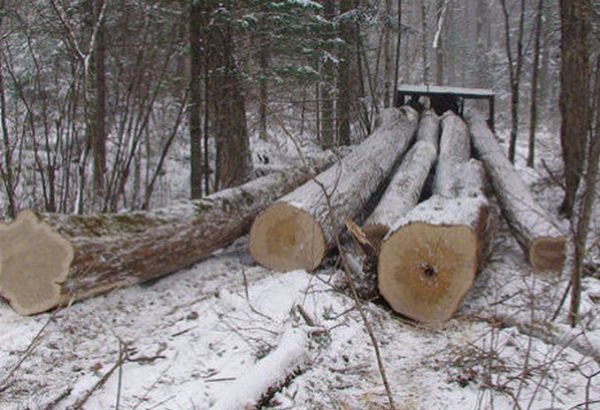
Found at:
[47, 260]
[455, 150]
[429, 260]
[429, 128]
[530, 223]
[403, 192]
[270, 373]
[404, 189]
[296, 231]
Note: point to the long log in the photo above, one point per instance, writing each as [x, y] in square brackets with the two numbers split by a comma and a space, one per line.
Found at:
[531, 224]
[47, 260]
[403, 192]
[430, 258]
[296, 231]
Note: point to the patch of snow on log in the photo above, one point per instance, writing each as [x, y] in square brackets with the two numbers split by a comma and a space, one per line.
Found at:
[269, 373]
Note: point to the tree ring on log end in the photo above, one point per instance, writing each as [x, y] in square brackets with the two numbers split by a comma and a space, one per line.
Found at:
[34, 260]
[425, 270]
[547, 253]
[285, 238]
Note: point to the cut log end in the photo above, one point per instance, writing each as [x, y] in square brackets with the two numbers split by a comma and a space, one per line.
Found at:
[34, 260]
[425, 270]
[285, 238]
[547, 253]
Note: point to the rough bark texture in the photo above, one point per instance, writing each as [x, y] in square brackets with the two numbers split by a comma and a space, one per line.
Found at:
[455, 149]
[403, 192]
[233, 146]
[47, 260]
[429, 260]
[297, 230]
[195, 40]
[574, 94]
[531, 224]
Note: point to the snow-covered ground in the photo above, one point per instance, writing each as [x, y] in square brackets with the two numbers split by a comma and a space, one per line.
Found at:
[194, 338]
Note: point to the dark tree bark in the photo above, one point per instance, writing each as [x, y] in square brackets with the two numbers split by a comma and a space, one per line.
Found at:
[327, 112]
[97, 100]
[533, 112]
[574, 94]
[515, 66]
[587, 206]
[345, 88]
[229, 123]
[195, 41]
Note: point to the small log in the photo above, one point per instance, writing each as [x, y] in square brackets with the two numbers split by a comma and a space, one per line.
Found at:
[430, 258]
[47, 260]
[531, 224]
[253, 388]
[296, 231]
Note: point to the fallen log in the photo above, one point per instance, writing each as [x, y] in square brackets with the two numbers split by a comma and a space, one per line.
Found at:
[296, 231]
[47, 260]
[455, 149]
[530, 223]
[253, 389]
[404, 189]
[429, 260]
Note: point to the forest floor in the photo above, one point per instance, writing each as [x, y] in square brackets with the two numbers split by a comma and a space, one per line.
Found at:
[181, 342]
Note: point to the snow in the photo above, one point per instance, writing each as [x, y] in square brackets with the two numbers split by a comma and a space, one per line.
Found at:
[210, 334]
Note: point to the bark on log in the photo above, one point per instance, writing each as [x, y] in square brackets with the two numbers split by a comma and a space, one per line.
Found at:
[455, 149]
[530, 223]
[403, 192]
[47, 260]
[296, 231]
[429, 259]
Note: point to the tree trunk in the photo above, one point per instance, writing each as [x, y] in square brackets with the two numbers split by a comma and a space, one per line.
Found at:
[574, 94]
[345, 85]
[97, 103]
[529, 222]
[429, 260]
[47, 260]
[195, 41]
[587, 205]
[387, 54]
[533, 111]
[233, 147]
[296, 231]
[327, 90]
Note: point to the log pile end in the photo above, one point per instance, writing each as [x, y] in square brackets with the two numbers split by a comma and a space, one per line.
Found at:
[285, 238]
[34, 260]
[547, 253]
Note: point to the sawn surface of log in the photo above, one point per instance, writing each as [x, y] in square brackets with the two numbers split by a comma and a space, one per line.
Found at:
[296, 231]
[430, 258]
[46, 260]
[531, 225]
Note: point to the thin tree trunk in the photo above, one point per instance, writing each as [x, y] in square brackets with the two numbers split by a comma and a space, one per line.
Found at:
[533, 111]
[97, 133]
[195, 42]
[387, 54]
[327, 110]
[587, 206]
[344, 75]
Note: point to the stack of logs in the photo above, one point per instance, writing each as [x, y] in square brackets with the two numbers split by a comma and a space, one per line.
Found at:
[426, 253]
